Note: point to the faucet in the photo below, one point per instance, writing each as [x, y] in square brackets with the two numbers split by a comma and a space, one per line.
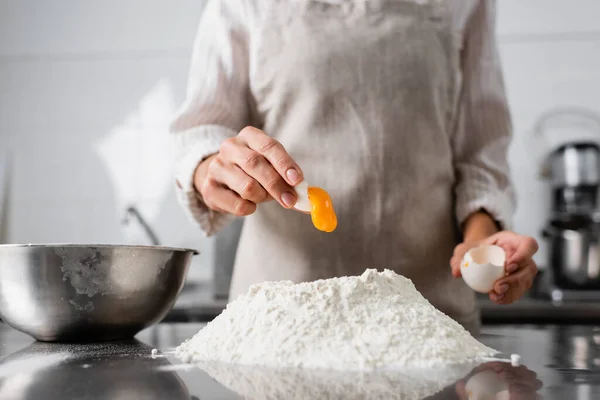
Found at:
[132, 211]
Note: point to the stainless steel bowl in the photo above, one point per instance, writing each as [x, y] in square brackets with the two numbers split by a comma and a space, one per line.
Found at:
[84, 293]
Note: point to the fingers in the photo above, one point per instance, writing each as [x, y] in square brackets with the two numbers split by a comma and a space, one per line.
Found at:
[249, 169]
[274, 153]
[238, 181]
[496, 366]
[520, 267]
[510, 288]
[455, 262]
[504, 289]
[260, 169]
[526, 248]
[495, 297]
[461, 390]
[457, 258]
[517, 247]
[219, 198]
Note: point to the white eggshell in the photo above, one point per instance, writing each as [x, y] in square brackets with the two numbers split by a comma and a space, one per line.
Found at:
[302, 191]
[482, 266]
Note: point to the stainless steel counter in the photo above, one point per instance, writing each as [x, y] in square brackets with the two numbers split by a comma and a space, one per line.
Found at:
[566, 359]
[540, 311]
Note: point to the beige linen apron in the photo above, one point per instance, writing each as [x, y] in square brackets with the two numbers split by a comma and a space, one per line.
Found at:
[362, 94]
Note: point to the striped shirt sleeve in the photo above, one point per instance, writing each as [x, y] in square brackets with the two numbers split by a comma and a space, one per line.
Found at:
[216, 102]
[483, 132]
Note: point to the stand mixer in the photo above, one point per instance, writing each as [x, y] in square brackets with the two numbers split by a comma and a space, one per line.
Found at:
[573, 229]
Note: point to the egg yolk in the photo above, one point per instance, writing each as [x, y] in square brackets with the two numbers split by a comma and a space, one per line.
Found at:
[322, 213]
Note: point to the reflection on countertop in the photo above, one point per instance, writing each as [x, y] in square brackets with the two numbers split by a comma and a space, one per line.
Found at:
[300, 384]
[113, 370]
[558, 362]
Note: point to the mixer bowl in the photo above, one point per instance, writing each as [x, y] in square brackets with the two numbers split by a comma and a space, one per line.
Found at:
[84, 293]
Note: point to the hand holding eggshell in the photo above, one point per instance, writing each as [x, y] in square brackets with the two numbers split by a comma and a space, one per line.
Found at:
[519, 266]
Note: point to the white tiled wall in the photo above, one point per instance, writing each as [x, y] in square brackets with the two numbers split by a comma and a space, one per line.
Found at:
[76, 75]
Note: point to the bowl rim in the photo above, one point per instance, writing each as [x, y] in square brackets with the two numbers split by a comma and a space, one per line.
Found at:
[103, 246]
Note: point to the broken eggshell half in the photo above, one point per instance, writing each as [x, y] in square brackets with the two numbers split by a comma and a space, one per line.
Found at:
[303, 204]
[482, 266]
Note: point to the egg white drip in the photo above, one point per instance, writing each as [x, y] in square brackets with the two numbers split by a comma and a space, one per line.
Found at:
[303, 204]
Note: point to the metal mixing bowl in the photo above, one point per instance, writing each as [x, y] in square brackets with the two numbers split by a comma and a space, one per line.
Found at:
[88, 292]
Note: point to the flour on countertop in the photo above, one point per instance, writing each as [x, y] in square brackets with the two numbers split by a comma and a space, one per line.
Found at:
[373, 321]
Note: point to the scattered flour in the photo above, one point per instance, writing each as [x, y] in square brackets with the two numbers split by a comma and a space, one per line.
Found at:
[373, 321]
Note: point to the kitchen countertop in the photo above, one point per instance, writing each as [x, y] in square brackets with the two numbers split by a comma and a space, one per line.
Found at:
[539, 310]
[565, 358]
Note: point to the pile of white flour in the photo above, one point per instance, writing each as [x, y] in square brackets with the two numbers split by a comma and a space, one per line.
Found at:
[376, 320]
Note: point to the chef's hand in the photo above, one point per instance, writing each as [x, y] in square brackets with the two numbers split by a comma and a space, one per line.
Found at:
[520, 267]
[249, 169]
[521, 383]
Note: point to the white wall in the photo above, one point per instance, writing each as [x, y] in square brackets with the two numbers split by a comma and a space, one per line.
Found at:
[78, 77]
[78, 80]
[551, 56]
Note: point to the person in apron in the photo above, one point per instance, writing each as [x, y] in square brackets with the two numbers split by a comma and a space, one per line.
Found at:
[395, 107]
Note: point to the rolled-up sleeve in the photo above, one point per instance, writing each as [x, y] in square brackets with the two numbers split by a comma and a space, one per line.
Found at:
[483, 132]
[216, 102]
